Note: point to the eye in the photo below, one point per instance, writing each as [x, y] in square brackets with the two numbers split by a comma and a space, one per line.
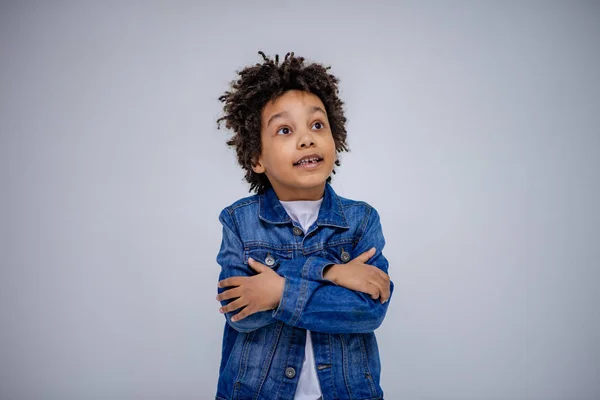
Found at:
[318, 126]
[284, 131]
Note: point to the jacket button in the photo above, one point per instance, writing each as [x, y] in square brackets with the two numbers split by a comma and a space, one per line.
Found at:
[269, 261]
[290, 372]
[345, 256]
[298, 231]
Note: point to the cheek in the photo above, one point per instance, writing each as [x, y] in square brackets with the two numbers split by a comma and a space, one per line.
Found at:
[280, 157]
[331, 149]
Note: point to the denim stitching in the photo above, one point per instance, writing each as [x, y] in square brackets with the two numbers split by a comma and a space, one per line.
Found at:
[269, 359]
[364, 223]
[331, 374]
[243, 204]
[363, 350]
[243, 362]
[257, 243]
[345, 365]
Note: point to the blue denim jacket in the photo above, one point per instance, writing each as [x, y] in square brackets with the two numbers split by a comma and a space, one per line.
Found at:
[263, 353]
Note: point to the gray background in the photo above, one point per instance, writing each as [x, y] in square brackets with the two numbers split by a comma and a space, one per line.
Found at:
[474, 129]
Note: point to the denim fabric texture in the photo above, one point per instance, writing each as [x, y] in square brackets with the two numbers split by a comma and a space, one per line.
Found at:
[263, 353]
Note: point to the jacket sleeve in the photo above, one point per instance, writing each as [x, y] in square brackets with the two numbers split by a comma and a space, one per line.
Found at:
[313, 303]
[230, 258]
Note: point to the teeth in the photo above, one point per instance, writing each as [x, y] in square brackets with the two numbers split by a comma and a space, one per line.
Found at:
[309, 160]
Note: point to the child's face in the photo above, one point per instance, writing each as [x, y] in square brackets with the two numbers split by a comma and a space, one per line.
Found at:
[294, 128]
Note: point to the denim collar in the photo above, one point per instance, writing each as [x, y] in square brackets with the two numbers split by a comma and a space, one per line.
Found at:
[331, 212]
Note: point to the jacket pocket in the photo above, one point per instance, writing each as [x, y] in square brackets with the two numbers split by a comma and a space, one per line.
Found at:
[340, 252]
[272, 257]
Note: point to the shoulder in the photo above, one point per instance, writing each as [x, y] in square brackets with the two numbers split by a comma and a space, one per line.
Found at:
[240, 209]
[241, 203]
[364, 219]
[350, 203]
[358, 210]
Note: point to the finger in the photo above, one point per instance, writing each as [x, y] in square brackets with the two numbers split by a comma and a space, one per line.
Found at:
[380, 279]
[388, 292]
[230, 294]
[385, 291]
[369, 287]
[233, 281]
[243, 314]
[383, 285]
[234, 305]
[373, 291]
[364, 257]
[383, 275]
[255, 265]
[388, 286]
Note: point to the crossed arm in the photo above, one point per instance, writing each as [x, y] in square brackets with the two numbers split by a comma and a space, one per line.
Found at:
[325, 297]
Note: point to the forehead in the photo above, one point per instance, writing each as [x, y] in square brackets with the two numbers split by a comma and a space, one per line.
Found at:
[290, 101]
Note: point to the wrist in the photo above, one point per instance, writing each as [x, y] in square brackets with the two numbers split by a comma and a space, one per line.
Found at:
[330, 273]
[280, 288]
[280, 285]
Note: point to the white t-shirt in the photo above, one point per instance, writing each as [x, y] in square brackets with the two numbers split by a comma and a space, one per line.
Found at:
[305, 212]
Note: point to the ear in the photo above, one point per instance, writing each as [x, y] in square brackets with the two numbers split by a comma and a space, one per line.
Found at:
[258, 167]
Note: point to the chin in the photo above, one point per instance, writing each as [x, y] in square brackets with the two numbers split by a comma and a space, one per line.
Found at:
[312, 183]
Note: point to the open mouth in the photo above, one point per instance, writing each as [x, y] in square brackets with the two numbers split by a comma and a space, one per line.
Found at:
[310, 160]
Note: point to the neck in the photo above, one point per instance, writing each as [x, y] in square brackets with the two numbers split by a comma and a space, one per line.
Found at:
[290, 194]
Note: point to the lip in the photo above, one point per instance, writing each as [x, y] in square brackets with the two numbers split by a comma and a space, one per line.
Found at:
[308, 156]
[309, 166]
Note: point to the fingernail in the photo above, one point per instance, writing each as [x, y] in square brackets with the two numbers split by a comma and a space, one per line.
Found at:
[250, 259]
[234, 319]
[221, 310]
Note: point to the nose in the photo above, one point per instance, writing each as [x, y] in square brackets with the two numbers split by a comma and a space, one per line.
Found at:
[306, 140]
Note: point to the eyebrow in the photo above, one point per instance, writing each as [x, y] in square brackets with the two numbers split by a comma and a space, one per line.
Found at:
[278, 115]
[282, 114]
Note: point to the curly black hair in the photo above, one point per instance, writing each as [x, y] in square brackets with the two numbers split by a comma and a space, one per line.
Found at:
[256, 86]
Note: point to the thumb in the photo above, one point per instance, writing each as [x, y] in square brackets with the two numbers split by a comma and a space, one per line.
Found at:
[255, 265]
[364, 257]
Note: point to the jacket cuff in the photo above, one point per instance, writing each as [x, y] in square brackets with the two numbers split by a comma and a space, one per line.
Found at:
[292, 300]
[314, 267]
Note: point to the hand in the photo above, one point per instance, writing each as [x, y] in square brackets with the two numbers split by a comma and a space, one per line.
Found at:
[256, 293]
[361, 277]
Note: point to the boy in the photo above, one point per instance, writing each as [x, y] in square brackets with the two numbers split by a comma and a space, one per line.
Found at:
[303, 282]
